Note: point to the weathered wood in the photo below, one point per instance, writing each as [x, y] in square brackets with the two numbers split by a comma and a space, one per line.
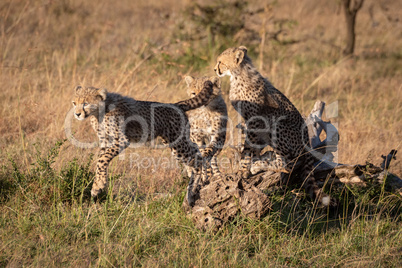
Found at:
[359, 175]
[314, 130]
[325, 149]
[228, 195]
[330, 172]
[387, 159]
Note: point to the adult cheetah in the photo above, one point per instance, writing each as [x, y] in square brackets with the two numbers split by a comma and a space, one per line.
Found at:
[208, 123]
[270, 119]
[119, 121]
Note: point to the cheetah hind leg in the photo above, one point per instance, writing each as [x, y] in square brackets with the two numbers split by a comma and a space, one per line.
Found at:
[193, 188]
[206, 154]
[316, 194]
[250, 154]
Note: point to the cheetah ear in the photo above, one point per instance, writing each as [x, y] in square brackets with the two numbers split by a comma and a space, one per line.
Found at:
[240, 53]
[102, 94]
[243, 48]
[216, 81]
[189, 80]
[78, 89]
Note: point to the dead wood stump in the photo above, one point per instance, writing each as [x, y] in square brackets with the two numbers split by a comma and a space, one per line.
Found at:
[228, 195]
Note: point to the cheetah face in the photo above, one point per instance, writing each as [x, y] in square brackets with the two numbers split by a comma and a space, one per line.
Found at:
[229, 60]
[195, 85]
[87, 101]
[222, 68]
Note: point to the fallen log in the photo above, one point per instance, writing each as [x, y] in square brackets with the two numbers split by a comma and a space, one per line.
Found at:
[228, 195]
[361, 175]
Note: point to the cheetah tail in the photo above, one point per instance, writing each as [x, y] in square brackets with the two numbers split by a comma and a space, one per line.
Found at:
[311, 187]
[202, 98]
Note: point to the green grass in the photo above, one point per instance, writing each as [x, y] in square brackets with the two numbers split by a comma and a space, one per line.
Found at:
[140, 49]
[47, 218]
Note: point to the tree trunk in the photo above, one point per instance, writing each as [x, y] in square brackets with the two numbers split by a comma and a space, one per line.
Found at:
[350, 35]
[350, 8]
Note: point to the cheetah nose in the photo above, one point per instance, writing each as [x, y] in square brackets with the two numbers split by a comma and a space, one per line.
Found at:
[77, 114]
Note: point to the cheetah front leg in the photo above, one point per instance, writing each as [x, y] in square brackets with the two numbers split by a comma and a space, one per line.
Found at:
[194, 186]
[211, 151]
[198, 139]
[101, 135]
[208, 156]
[194, 162]
[250, 150]
[215, 165]
[106, 155]
[197, 178]
[102, 165]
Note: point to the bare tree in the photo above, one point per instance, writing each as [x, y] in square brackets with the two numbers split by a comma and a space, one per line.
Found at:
[350, 8]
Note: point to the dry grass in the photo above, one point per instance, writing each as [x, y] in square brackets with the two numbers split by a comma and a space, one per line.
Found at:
[48, 47]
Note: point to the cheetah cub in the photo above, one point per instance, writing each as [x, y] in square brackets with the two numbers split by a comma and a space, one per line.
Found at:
[270, 119]
[208, 123]
[119, 121]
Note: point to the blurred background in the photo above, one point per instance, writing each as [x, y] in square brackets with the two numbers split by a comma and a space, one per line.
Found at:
[144, 49]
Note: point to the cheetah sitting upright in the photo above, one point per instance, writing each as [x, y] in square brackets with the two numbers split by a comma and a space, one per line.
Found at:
[119, 121]
[270, 118]
[208, 123]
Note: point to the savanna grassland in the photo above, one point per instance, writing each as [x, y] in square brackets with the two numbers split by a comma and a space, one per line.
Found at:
[144, 49]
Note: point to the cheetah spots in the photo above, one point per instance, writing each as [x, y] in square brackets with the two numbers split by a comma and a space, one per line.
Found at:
[208, 124]
[115, 128]
[253, 96]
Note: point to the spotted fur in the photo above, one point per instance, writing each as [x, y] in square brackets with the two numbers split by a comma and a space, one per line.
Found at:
[208, 123]
[270, 119]
[119, 121]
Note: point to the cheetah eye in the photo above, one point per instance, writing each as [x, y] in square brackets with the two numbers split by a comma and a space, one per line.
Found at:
[74, 103]
[84, 104]
[193, 94]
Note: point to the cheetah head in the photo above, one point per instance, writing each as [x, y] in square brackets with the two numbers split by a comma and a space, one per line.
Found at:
[229, 60]
[195, 85]
[87, 101]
